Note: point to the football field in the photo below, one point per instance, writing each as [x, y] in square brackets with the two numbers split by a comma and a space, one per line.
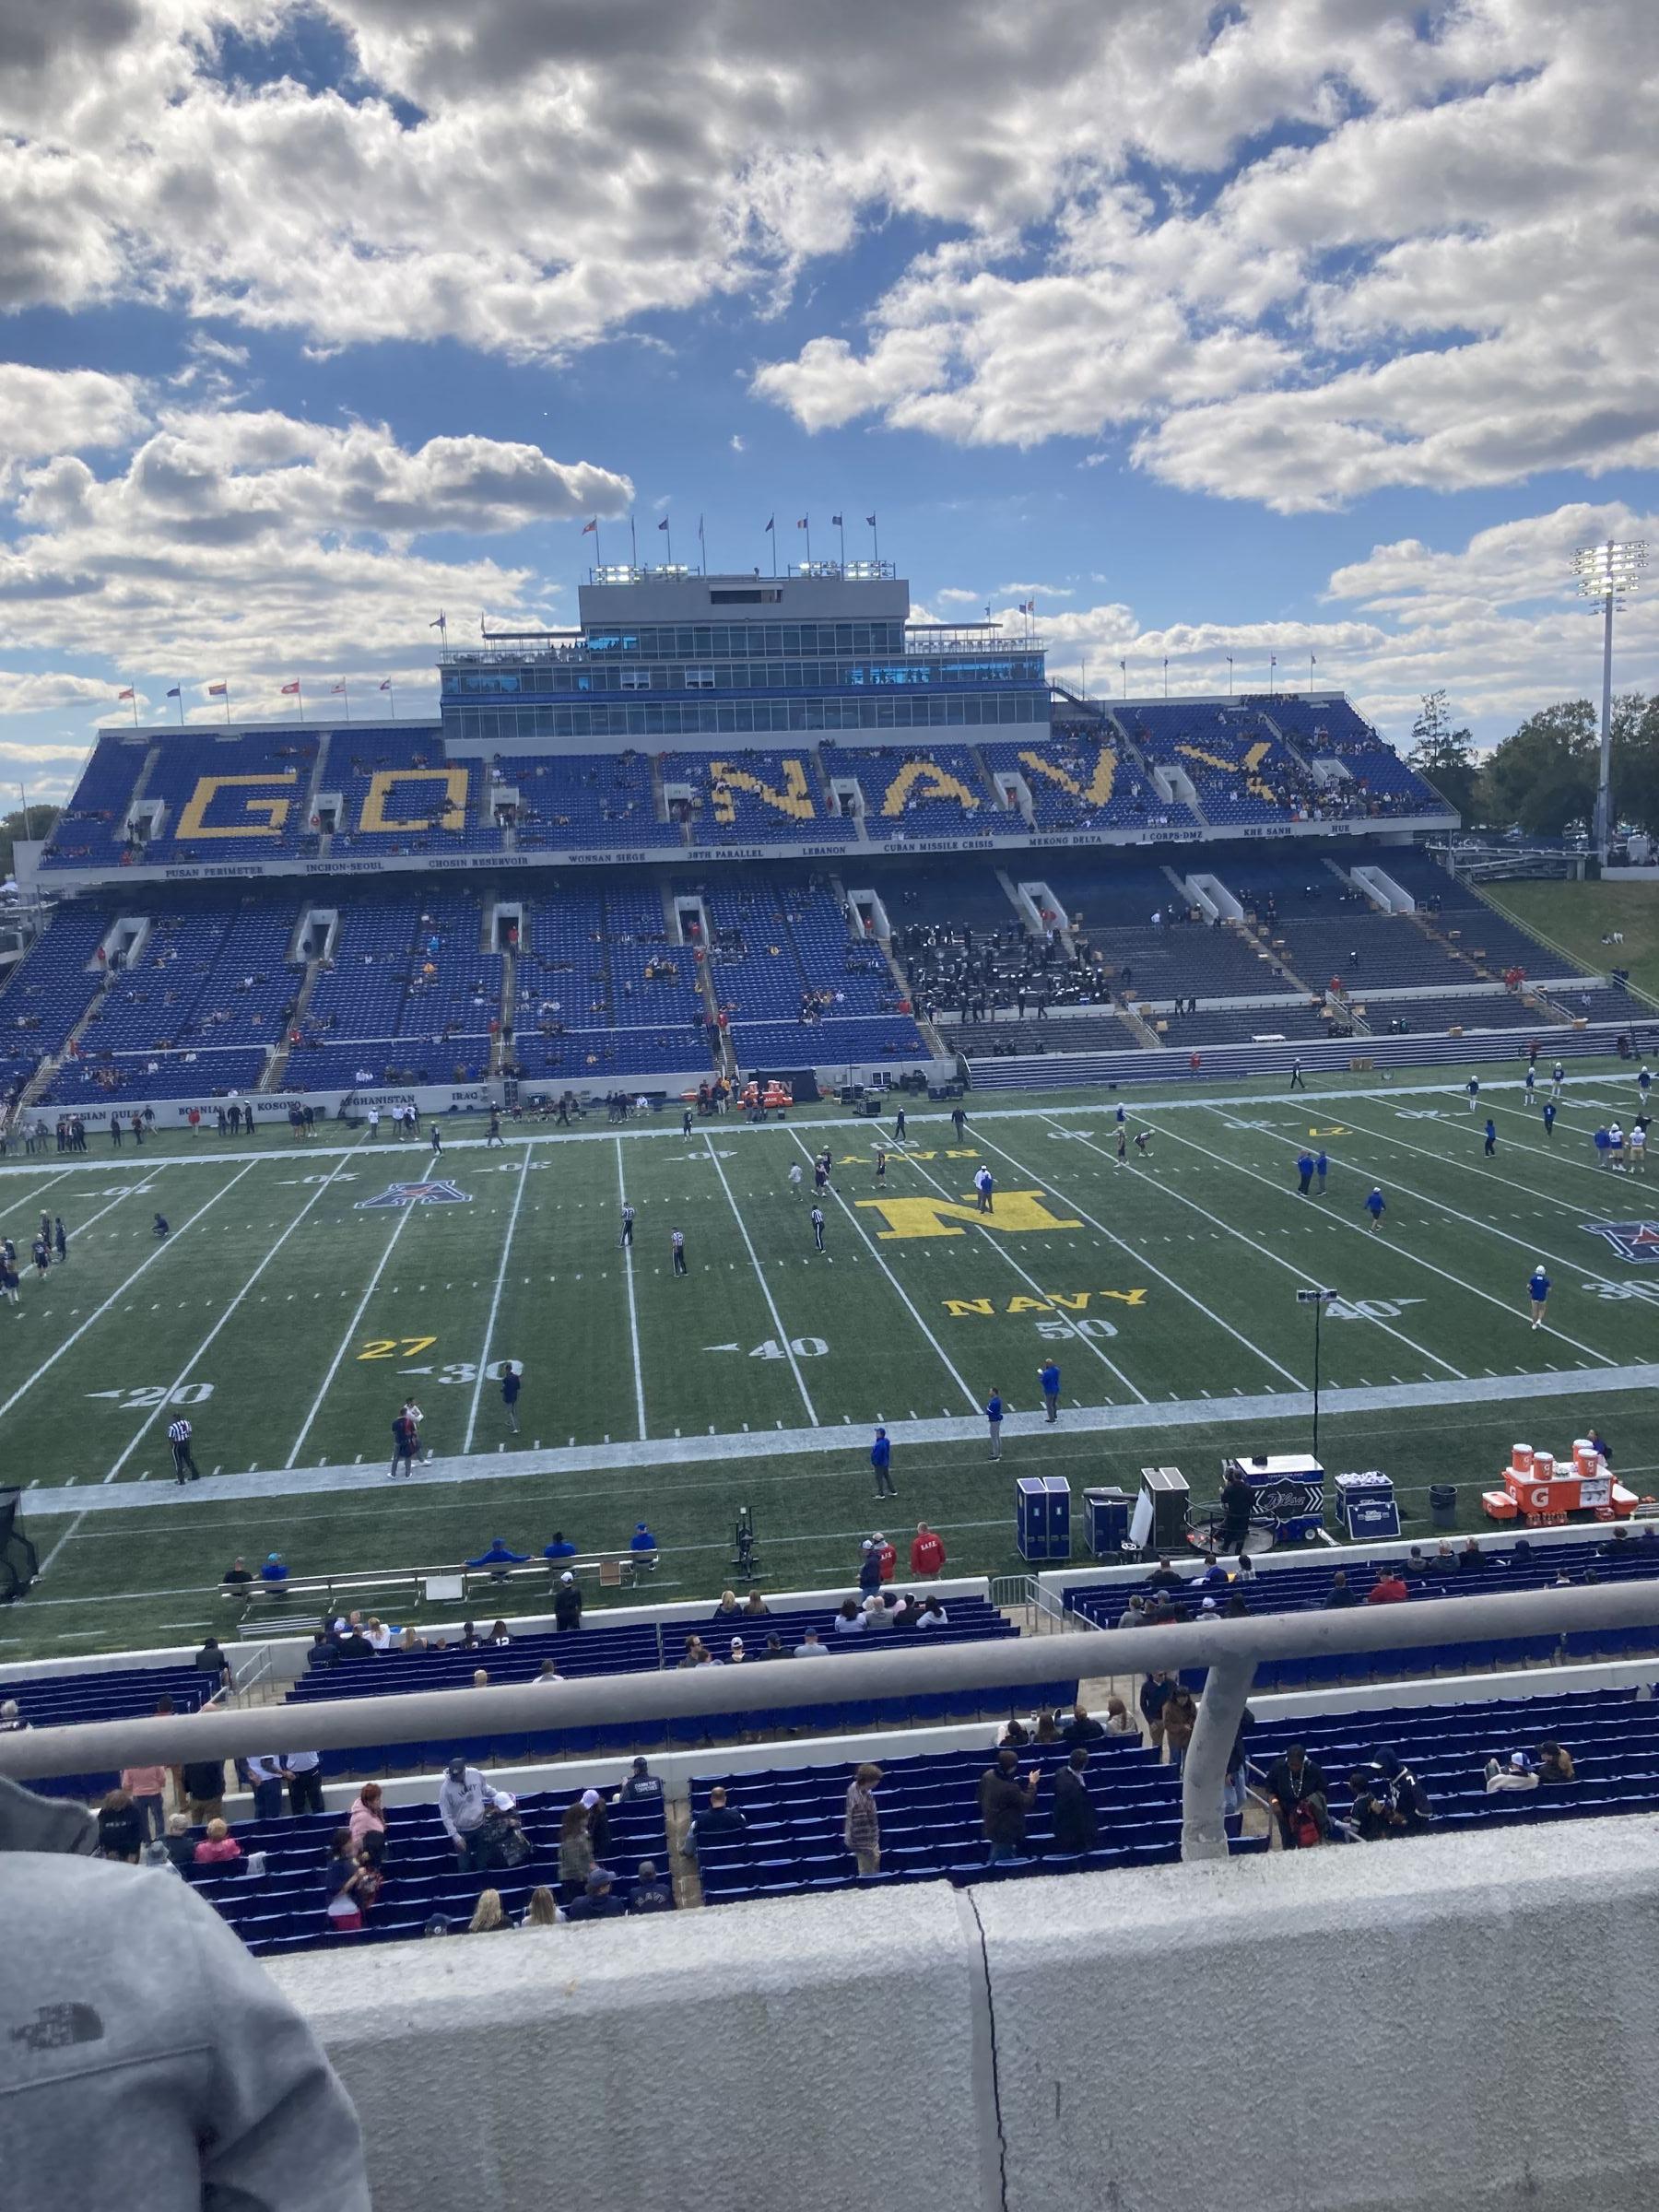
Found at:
[304, 1291]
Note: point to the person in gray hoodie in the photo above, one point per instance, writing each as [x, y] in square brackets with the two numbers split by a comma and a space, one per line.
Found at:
[139, 2038]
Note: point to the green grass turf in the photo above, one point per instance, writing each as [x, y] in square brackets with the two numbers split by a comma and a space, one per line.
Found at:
[1577, 915]
[292, 1321]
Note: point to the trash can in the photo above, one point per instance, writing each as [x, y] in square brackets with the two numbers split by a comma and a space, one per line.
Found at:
[1443, 1504]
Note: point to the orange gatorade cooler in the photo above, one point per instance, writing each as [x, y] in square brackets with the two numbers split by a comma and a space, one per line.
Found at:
[1585, 1457]
[1521, 1458]
[1543, 1466]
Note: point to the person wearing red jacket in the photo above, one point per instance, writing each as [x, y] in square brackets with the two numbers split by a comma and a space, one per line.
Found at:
[889, 1557]
[1387, 1590]
[927, 1552]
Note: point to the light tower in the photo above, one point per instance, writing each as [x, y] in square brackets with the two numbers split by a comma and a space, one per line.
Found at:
[1607, 573]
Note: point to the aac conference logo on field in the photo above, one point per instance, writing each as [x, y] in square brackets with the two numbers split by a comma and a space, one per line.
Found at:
[1629, 1239]
[418, 1194]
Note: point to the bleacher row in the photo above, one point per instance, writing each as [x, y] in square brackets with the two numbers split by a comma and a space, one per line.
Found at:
[171, 798]
[281, 1910]
[1306, 1590]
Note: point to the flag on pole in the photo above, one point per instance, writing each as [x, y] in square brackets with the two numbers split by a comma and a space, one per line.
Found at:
[770, 520]
[1312, 660]
[387, 685]
[440, 623]
[335, 689]
[590, 529]
[664, 523]
[175, 692]
[801, 523]
[870, 519]
[289, 691]
[216, 691]
[128, 694]
[835, 522]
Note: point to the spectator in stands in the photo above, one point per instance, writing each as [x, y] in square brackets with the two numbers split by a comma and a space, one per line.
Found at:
[274, 1573]
[1005, 1807]
[354, 1644]
[642, 1545]
[650, 1893]
[567, 1602]
[876, 1616]
[642, 1787]
[1179, 1719]
[1368, 1811]
[1082, 1728]
[265, 1779]
[464, 1804]
[1444, 1560]
[1298, 1799]
[1409, 1810]
[728, 1608]
[367, 1816]
[1414, 1566]
[1517, 1774]
[1120, 1721]
[907, 1612]
[597, 1900]
[304, 1772]
[1387, 1590]
[928, 1553]
[1134, 1615]
[560, 1549]
[488, 1914]
[542, 1911]
[499, 1638]
[719, 1818]
[1048, 1728]
[861, 1823]
[178, 1843]
[810, 1647]
[1163, 1576]
[1154, 1696]
[480, 1678]
[1555, 1765]
[218, 1847]
[933, 1614]
[756, 1607]
[236, 1580]
[696, 1653]
[202, 1782]
[1339, 1594]
[598, 1822]
[850, 1620]
[11, 1719]
[200, 2086]
[1016, 1735]
[575, 1852]
[120, 1831]
[323, 1652]
[1076, 1825]
[147, 1786]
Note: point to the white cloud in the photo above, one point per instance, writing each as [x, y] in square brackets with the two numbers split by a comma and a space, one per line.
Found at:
[1045, 591]
[49, 410]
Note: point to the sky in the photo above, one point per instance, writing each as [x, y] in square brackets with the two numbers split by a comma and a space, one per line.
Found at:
[1279, 328]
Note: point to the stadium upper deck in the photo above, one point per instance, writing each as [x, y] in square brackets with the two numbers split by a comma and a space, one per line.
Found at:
[736, 717]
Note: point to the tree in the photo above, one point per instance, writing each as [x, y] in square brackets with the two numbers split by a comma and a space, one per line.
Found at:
[1636, 762]
[1445, 756]
[15, 830]
[1542, 778]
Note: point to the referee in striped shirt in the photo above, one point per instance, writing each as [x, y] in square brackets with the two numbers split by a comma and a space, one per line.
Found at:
[184, 1466]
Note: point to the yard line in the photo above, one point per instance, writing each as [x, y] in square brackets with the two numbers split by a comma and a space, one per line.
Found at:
[765, 1287]
[949, 1363]
[518, 1199]
[1404, 1250]
[117, 1294]
[184, 1375]
[1002, 1252]
[1489, 1175]
[1151, 1265]
[351, 1330]
[1421, 1351]
[633, 1316]
[43, 1189]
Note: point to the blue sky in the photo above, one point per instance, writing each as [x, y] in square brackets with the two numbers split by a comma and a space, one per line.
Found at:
[1310, 325]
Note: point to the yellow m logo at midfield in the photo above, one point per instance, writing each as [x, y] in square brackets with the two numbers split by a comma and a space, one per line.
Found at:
[1016, 1212]
[257, 817]
[940, 784]
[1097, 791]
[794, 800]
[453, 780]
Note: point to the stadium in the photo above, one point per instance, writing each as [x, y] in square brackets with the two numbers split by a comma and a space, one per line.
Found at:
[746, 1025]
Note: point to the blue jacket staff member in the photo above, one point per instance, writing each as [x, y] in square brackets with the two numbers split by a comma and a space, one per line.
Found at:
[1048, 1376]
[499, 1558]
[881, 1463]
[643, 1546]
[512, 1380]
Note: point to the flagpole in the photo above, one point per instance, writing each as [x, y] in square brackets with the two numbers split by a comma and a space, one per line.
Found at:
[668, 541]
[703, 548]
[771, 532]
[1230, 675]
[842, 528]
[134, 706]
[633, 542]
[299, 700]
[181, 706]
[227, 698]
[1124, 665]
[1311, 667]
[806, 526]
[874, 543]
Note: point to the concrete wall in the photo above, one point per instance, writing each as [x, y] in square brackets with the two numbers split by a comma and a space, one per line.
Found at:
[1449, 2023]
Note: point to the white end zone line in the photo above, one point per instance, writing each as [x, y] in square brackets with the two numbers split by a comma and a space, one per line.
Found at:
[772, 1306]
[184, 1375]
[495, 1303]
[633, 1315]
[351, 1330]
[1151, 1266]
[949, 1364]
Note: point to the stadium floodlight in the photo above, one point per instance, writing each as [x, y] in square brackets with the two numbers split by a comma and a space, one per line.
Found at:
[1607, 573]
[1319, 1300]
